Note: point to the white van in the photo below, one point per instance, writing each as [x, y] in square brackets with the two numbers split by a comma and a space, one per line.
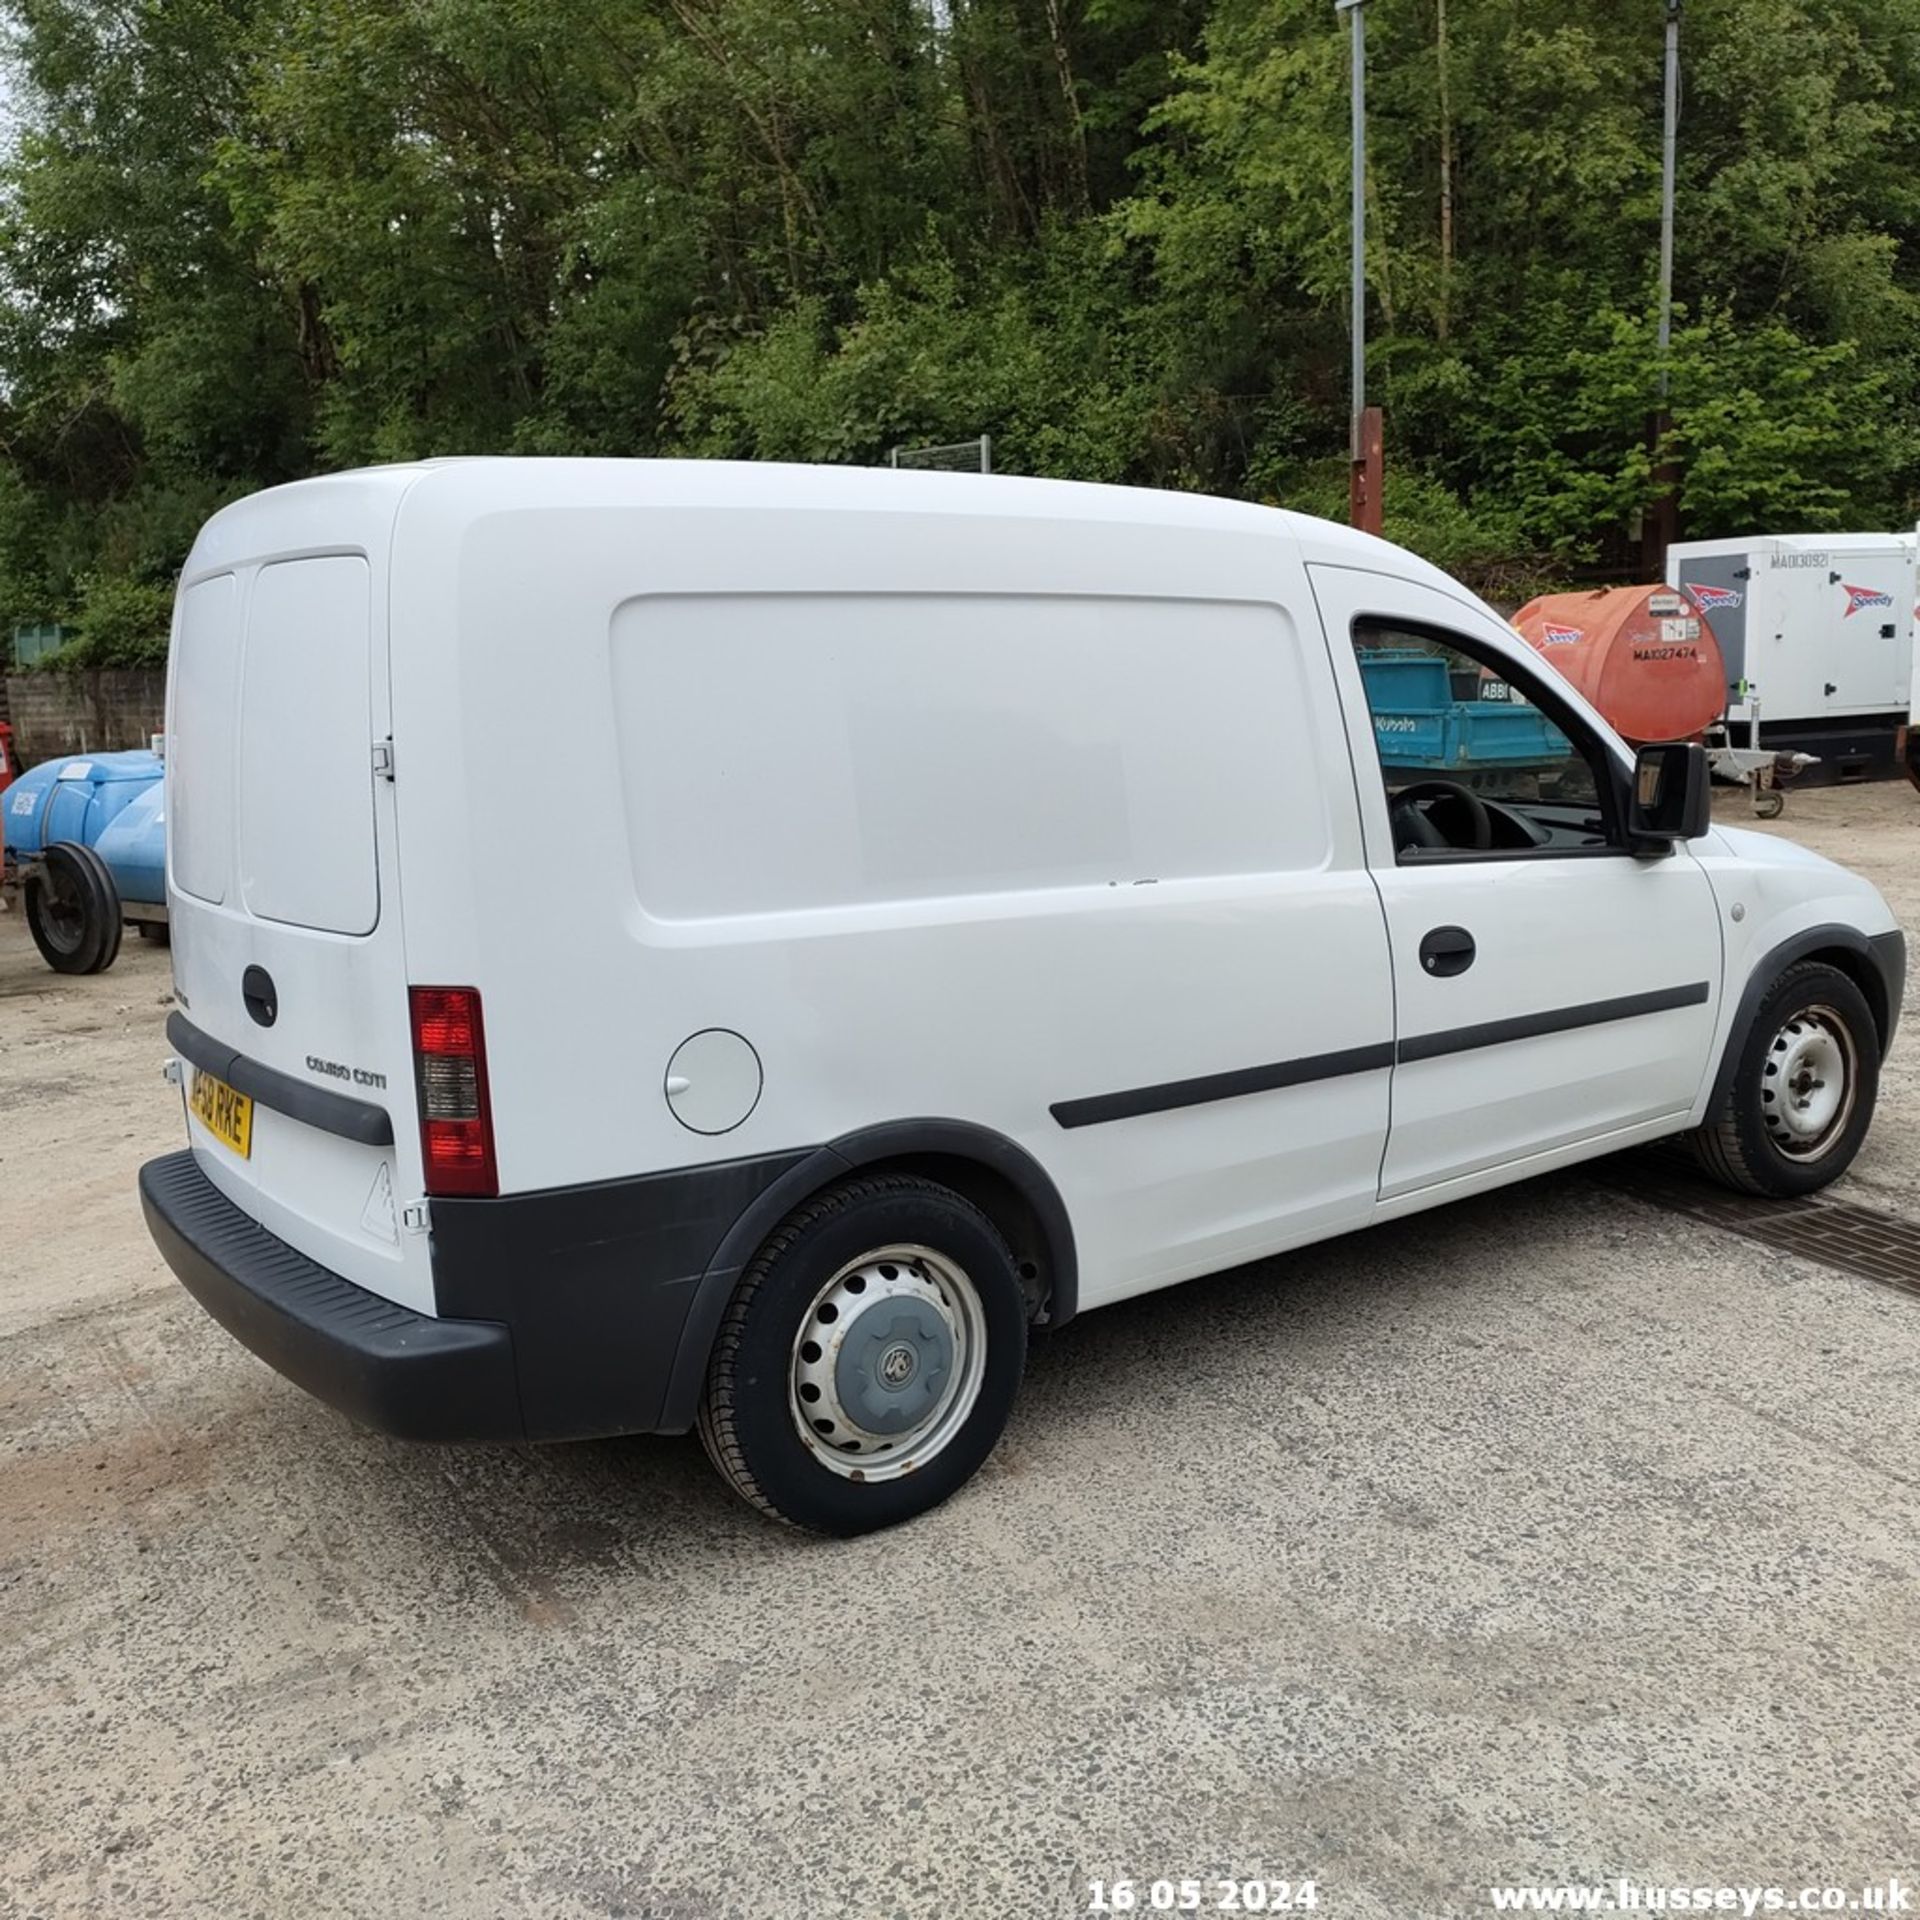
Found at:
[666, 944]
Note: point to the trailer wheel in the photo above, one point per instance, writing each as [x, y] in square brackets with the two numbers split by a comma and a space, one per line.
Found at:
[868, 1360]
[73, 909]
[109, 895]
[1769, 804]
[1803, 1090]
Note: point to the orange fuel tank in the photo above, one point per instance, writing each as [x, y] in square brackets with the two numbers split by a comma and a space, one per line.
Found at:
[1642, 655]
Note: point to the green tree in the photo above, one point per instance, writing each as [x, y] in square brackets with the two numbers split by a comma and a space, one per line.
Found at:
[244, 240]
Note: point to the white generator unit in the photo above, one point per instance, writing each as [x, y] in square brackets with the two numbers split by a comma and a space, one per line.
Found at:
[1817, 634]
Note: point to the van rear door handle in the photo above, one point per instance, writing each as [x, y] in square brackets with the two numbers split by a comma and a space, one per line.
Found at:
[1447, 951]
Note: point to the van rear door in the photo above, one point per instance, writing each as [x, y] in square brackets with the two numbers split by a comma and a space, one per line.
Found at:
[304, 826]
[288, 964]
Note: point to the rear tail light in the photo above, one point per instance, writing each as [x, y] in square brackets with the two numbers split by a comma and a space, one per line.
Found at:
[456, 1122]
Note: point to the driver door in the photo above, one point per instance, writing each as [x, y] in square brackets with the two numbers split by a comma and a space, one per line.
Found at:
[1554, 994]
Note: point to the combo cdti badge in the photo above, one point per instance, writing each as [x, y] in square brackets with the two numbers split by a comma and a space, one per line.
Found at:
[666, 944]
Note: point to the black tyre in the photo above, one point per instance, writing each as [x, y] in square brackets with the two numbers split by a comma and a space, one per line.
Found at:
[869, 1358]
[1802, 1093]
[107, 892]
[73, 909]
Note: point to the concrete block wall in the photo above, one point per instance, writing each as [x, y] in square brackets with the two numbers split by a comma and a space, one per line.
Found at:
[101, 712]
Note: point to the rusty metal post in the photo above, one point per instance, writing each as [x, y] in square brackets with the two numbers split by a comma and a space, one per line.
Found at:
[1364, 501]
[1367, 432]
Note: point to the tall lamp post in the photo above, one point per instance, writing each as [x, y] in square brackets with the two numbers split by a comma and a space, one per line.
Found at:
[1367, 444]
[1662, 522]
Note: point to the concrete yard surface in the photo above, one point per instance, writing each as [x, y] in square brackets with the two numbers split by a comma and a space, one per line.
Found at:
[1547, 1538]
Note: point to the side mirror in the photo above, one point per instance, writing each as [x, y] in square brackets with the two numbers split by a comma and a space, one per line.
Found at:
[1672, 797]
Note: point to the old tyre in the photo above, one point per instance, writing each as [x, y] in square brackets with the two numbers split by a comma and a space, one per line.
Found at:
[73, 909]
[107, 891]
[1802, 1093]
[869, 1358]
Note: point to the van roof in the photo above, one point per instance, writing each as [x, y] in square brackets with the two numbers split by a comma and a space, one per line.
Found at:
[486, 483]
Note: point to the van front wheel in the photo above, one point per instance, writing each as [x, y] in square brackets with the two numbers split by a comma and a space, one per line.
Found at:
[869, 1358]
[1803, 1089]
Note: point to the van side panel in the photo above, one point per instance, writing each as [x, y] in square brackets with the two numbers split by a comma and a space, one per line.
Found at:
[954, 845]
[786, 753]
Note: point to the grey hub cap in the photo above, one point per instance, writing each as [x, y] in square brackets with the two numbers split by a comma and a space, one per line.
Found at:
[1807, 1083]
[887, 1362]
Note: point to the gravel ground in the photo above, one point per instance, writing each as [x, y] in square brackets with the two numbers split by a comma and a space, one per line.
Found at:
[1543, 1538]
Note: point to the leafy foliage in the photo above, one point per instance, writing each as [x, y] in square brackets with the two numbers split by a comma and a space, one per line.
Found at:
[122, 622]
[244, 240]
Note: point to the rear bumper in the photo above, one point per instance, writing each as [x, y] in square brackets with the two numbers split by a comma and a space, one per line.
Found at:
[404, 1373]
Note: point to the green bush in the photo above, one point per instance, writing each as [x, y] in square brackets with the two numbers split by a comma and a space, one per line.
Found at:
[122, 623]
[1480, 541]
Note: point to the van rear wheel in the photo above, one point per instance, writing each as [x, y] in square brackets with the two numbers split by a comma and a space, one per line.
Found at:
[869, 1358]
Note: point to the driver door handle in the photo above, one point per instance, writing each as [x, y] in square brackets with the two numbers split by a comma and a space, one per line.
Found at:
[1447, 951]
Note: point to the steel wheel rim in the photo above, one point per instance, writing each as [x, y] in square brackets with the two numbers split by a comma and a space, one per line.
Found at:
[63, 913]
[1808, 1083]
[861, 1384]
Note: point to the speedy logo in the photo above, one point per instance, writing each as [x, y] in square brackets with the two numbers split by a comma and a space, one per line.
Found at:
[1858, 597]
[1553, 636]
[1714, 599]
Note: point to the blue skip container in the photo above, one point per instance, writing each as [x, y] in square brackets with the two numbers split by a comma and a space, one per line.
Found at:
[1419, 723]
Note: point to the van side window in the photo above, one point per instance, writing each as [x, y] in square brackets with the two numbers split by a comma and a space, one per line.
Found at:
[1472, 766]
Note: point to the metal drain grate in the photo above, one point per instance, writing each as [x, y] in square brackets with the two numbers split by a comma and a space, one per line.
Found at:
[1876, 1246]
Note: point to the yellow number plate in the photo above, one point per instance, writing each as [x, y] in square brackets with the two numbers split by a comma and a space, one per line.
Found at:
[227, 1115]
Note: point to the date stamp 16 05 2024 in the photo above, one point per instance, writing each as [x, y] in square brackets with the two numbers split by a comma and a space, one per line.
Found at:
[1213, 1894]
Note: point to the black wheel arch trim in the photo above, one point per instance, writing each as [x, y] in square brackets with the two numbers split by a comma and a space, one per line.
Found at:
[1885, 958]
[824, 1167]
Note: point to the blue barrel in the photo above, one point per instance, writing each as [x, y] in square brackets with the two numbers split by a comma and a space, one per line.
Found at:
[75, 798]
[134, 846]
